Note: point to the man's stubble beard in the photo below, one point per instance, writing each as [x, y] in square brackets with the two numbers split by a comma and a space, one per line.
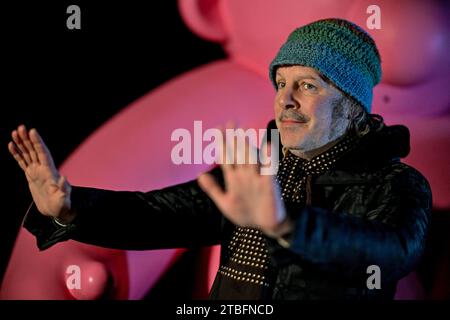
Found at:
[338, 128]
[339, 119]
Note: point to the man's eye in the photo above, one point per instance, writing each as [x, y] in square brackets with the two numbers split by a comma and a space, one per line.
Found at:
[308, 86]
[280, 84]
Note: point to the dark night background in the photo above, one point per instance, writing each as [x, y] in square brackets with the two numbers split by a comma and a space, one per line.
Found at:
[66, 83]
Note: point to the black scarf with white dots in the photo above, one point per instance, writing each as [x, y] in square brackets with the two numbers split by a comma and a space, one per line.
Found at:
[247, 273]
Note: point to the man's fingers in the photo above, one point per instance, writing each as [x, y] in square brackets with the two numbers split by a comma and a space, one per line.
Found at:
[42, 151]
[17, 155]
[265, 154]
[229, 151]
[20, 145]
[251, 157]
[23, 134]
[223, 159]
[212, 189]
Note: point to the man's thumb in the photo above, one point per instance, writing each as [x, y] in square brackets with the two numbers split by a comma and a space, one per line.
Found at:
[63, 184]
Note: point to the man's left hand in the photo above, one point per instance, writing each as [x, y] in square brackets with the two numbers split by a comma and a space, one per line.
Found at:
[249, 199]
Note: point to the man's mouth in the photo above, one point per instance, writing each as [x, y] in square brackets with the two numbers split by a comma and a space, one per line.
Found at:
[292, 122]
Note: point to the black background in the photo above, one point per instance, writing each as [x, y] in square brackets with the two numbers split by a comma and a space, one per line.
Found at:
[66, 83]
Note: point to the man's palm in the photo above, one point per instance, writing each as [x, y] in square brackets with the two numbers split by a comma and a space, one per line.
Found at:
[50, 191]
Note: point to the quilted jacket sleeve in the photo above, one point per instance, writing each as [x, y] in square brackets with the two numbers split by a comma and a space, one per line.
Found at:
[392, 236]
[177, 216]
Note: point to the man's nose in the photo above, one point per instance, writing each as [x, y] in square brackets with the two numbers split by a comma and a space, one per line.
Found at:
[286, 99]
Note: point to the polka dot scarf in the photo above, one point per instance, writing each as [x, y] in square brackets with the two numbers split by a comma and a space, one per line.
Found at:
[247, 274]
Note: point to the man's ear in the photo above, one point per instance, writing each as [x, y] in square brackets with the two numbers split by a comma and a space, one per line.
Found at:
[204, 17]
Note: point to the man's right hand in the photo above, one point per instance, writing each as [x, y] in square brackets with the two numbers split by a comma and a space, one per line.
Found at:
[50, 190]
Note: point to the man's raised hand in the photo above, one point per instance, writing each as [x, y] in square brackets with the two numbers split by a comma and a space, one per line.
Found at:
[249, 199]
[50, 190]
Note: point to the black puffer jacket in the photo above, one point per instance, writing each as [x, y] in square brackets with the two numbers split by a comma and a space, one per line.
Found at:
[369, 210]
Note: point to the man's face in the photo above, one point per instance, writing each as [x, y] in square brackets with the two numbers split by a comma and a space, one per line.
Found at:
[309, 112]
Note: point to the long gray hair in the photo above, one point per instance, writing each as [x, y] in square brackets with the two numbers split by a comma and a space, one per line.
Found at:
[362, 122]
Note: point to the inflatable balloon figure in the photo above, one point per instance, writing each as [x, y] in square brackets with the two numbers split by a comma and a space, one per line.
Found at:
[132, 151]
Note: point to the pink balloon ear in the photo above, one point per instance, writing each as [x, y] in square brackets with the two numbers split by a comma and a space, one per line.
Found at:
[204, 17]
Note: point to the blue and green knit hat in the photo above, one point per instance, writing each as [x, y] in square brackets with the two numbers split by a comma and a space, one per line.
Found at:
[340, 50]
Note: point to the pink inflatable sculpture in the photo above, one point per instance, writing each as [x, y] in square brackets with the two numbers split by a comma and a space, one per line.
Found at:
[132, 150]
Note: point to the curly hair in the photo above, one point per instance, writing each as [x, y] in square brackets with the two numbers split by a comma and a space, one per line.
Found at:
[362, 122]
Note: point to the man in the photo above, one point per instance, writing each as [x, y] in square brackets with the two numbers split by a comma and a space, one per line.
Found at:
[341, 203]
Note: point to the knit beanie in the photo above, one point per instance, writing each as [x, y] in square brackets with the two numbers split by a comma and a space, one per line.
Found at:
[340, 50]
